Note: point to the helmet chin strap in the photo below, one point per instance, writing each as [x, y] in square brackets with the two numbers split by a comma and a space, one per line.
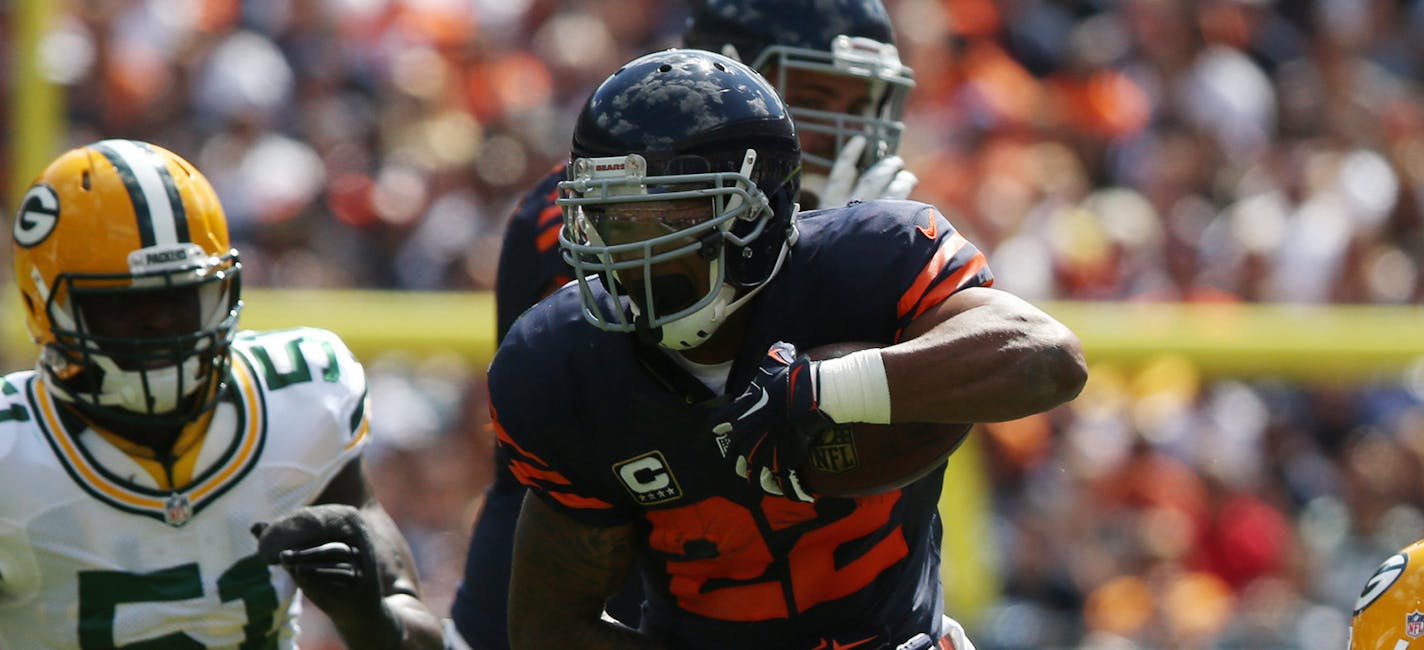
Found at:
[694, 329]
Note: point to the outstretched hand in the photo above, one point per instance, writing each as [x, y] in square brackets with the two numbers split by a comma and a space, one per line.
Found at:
[886, 179]
[767, 429]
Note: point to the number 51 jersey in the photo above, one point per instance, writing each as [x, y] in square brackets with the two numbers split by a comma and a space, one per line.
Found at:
[95, 552]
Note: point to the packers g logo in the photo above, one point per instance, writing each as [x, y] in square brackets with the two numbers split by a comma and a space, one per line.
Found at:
[1384, 577]
[37, 216]
[648, 479]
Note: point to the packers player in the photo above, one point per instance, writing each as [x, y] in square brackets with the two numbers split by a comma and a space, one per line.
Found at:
[1389, 614]
[836, 65]
[169, 480]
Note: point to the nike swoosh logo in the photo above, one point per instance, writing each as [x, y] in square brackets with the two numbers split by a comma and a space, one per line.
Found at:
[934, 226]
[756, 407]
[836, 645]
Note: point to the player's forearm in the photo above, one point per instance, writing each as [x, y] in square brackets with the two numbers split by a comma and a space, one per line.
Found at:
[422, 627]
[409, 625]
[563, 573]
[997, 359]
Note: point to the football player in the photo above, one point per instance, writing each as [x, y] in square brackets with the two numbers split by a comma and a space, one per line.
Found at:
[836, 65]
[1389, 614]
[685, 403]
[169, 480]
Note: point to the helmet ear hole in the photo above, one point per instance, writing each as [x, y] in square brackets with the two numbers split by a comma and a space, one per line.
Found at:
[29, 304]
[86, 181]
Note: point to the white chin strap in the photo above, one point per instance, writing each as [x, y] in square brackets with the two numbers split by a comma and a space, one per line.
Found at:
[694, 329]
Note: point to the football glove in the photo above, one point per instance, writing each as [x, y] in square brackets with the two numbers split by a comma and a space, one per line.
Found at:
[886, 179]
[328, 551]
[767, 429]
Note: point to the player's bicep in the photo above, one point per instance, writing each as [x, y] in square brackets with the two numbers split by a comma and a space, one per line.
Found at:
[348, 486]
[982, 355]
[956, 305]
[563, 568]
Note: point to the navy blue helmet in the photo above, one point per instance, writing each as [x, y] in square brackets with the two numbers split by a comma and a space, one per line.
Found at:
[852, 38]
[706, 145]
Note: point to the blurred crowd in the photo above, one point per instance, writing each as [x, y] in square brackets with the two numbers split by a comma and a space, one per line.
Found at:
[1145, 150]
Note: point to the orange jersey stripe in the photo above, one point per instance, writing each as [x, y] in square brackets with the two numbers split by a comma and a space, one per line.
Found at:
[576, 501]
[523, 470]
[547, 239]
[552, 214]
[539, 479]
[503, 437]
[953, 283]
[947, 250]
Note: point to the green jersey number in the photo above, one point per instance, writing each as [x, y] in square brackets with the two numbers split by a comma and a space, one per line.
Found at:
[300, 372]
[101, 593]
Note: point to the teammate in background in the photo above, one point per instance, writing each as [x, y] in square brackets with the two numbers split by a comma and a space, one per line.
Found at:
[1389, 615]
[836, 65]
[170, 481]
[684, 404]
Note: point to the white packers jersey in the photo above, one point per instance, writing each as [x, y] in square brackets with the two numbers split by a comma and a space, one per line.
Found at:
[94, 555]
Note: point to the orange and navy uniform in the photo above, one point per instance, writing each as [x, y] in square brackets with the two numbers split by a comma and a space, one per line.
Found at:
[530, 267]
[628, 442]
[530, 264]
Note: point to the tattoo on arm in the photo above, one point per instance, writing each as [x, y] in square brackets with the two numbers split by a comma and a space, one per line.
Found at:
[563, 572]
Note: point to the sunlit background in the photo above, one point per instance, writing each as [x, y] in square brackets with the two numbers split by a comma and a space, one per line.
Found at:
[1191, 158]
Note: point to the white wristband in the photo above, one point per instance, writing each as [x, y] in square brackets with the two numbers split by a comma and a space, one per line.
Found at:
[853, 388]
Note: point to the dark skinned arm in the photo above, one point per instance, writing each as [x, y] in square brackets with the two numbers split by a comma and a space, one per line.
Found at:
[399, 582]
[982, 355]
[563, 572]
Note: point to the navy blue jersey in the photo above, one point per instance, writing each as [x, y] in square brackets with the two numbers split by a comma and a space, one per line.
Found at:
[606, 431]
[530, 265]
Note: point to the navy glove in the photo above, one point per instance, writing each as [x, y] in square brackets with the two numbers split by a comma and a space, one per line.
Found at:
[768, 429]
[328, 551]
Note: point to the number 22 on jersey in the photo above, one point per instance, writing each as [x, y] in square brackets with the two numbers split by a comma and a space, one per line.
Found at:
[720, 562]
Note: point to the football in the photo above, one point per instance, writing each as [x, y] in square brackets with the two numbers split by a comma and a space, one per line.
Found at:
[861, 459]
